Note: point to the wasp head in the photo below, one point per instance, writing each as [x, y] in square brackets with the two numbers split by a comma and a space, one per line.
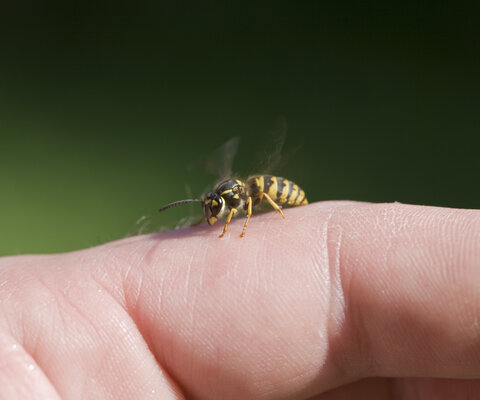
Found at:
[213, 207]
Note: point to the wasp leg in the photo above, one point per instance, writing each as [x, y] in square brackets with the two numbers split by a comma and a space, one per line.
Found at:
[199, 222]
[249, 213]
[272, 203]
[232, 212]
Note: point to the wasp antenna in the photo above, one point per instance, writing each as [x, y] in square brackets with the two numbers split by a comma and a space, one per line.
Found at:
[177, 203]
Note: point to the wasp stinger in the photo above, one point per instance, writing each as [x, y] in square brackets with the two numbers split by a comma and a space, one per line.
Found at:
[233, 195]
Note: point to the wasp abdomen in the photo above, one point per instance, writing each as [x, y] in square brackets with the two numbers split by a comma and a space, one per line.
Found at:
[281, 190]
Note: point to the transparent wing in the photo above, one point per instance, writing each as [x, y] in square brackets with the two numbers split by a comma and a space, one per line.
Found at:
[271, 158]
[277, 136]
[220, 162]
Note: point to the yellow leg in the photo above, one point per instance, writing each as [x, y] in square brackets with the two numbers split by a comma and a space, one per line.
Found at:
[232, 212]
[199, 222]
[249, 213]
[272, 203]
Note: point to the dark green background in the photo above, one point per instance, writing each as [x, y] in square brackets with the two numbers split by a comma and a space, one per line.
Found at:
[104, 105]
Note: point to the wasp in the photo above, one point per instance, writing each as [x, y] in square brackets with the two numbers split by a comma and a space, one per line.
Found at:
[233, 195]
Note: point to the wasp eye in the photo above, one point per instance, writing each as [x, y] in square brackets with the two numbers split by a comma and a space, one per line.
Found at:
[216, 205]
[212, 205]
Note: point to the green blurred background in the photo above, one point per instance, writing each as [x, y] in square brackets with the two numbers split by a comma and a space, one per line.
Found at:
[104, 105]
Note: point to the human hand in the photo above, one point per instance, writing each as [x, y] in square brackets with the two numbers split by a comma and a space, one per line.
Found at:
[338, 300]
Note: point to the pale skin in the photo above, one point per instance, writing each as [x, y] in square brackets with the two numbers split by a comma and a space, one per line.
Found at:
[336, 301]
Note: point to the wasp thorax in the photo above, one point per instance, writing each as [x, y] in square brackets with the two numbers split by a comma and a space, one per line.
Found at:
[213, 207]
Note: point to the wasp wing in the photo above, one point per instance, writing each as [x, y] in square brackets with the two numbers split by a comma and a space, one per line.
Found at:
[271, 159]
[220, 162]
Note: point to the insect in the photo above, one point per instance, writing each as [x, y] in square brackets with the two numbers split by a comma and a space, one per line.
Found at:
[233, 195]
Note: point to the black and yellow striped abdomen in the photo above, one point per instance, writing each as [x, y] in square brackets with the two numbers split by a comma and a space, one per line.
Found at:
[281, 190]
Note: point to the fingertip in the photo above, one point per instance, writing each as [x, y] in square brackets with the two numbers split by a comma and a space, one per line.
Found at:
[409, 278]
